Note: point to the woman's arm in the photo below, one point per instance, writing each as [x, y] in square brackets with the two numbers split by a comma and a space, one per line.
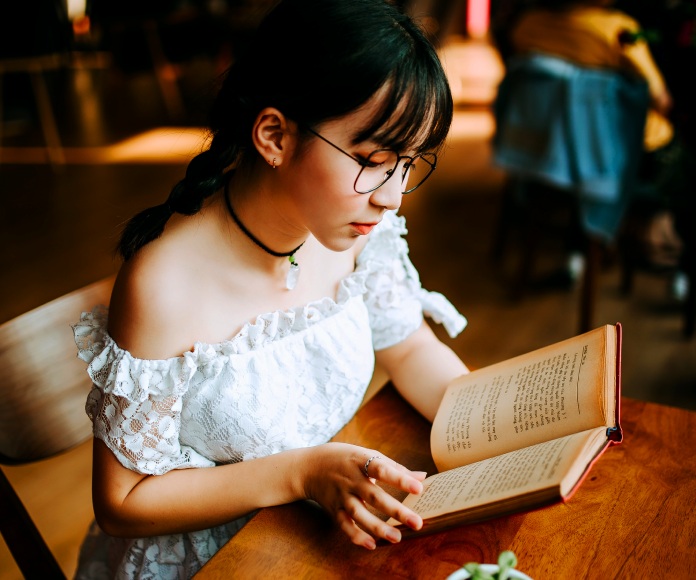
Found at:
[421, 367]
[128, 504]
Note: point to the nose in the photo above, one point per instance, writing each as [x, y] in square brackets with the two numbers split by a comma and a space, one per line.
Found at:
[388, 195]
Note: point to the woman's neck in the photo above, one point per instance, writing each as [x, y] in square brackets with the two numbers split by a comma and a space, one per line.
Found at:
[262, 216]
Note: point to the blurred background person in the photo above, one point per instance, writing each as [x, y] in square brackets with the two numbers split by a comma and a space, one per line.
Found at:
[591, 33]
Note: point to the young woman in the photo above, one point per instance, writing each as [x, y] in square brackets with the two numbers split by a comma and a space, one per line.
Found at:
[251, 305]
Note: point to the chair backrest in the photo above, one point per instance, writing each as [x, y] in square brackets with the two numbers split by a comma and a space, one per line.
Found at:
[43, 388]
[577, 128]
[43, 384]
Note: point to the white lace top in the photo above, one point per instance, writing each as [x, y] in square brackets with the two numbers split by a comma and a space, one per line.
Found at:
[290, 379]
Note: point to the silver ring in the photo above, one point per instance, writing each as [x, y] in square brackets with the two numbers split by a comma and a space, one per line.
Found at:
[367, 464]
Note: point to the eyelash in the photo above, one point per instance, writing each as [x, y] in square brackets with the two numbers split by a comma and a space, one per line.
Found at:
[364, 162]
[371, 165]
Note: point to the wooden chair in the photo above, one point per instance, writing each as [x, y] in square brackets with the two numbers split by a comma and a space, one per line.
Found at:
[547, 215]
[44, 387]
[571, 136]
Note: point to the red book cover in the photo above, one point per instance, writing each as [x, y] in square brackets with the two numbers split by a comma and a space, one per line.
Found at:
[614, 434]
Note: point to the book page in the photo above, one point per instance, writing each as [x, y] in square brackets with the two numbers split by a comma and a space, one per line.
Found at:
[554, 464]
[546, 394]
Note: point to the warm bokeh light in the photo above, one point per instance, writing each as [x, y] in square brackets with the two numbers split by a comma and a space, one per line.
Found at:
[474, 70]
[76, 9]
[478, 18]
[81, 25]
[473, 125]
[165, 144]
[161, 145]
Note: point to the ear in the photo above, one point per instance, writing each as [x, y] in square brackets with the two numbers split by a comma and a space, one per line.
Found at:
[271, 137]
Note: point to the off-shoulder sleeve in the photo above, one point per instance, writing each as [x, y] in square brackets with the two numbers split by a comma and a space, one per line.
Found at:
[135, 405]
[394, 297]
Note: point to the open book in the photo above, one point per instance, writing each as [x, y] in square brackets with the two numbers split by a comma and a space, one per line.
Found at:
[522, 433]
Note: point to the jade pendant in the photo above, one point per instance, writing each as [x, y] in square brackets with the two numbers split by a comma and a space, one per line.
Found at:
[293, 274]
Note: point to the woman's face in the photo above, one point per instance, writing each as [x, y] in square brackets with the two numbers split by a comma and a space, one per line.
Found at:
[322, 184]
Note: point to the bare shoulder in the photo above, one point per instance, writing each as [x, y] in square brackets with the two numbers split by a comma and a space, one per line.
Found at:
[150, 304]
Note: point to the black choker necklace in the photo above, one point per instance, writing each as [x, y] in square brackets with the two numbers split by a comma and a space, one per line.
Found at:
[294, 272]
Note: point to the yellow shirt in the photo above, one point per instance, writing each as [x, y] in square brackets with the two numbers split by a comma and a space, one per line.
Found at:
[590, 36]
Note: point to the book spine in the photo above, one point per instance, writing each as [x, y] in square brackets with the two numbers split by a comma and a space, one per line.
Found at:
[615, 434]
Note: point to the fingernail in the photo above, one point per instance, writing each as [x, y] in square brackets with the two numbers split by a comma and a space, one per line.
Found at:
[416, 488]
[422, 474]
[370, 544]
[393, 536]
[413, 522]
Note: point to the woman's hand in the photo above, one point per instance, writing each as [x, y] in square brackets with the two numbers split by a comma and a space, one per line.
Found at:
[335, 479]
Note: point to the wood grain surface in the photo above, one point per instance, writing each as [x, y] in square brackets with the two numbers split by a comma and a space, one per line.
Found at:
[631, 518]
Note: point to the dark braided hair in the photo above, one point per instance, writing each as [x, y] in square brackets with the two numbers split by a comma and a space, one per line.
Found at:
[314, 60]
[204, 176]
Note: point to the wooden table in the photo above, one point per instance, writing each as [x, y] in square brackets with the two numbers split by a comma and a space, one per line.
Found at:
[633, 517]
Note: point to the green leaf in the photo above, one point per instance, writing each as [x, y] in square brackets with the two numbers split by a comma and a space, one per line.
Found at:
[477, 573]
[506, 561]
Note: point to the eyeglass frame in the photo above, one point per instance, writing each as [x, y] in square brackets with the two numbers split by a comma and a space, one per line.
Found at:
[411, 161]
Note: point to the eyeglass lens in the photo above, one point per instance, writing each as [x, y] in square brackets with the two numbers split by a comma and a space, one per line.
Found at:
[381, 165]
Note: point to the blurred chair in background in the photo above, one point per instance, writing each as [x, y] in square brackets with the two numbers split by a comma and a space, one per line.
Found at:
[41, 44]
[570, 138]
[162, 37]
[584, 109]
[34, 40]
[44, 389]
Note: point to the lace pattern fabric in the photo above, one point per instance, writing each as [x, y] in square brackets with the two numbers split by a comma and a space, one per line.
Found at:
[393, 293]
[174, 557]
[291, 379]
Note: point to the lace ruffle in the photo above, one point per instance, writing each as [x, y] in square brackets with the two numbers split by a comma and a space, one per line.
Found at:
[394, 295]
[442, 311]
[118, 372]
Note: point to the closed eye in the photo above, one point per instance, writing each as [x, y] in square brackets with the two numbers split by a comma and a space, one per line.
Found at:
[369, 161]
[377, 159]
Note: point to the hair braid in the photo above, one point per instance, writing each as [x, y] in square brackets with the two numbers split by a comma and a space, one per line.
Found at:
[204, 176]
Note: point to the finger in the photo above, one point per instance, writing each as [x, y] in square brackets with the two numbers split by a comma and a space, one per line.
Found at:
[382, 501]
[354, 533]
[369, 522]
[388, 471]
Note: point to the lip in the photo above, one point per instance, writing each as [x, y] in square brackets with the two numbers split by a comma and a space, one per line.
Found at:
[363, 229]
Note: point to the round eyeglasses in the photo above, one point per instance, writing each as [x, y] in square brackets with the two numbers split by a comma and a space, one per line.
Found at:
[379, 166]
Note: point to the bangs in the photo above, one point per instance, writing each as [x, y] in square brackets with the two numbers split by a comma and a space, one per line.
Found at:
[416, 111]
